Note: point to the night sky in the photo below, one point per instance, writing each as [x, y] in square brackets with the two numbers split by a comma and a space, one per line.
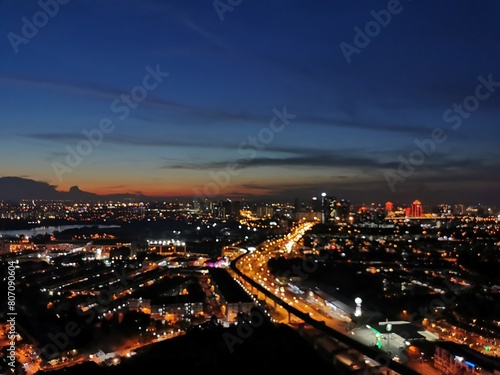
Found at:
[255, 99]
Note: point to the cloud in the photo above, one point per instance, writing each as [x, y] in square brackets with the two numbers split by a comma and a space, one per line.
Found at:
[354, 158]
[300, 158]
[112, 94]
[219, 115]
[75, 137]
[437, 185]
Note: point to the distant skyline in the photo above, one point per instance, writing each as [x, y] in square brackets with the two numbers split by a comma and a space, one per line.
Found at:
[371, 102]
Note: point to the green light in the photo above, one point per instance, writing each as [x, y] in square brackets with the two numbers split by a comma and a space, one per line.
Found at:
[487, 348]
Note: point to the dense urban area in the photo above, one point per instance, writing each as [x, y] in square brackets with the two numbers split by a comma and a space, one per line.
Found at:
[357, 289]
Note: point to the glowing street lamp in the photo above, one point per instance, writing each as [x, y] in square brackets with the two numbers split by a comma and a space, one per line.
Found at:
[358, 302]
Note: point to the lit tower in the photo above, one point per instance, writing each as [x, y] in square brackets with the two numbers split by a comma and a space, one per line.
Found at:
[323, 208]
[358, 302]
[389, 206]
[416, 209]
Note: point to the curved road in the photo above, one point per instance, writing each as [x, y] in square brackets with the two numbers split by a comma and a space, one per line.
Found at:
[375, 354]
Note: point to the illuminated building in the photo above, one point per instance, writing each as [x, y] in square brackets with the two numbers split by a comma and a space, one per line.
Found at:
[453, 358]
[416, 209]
[334, 210]
[389, 206]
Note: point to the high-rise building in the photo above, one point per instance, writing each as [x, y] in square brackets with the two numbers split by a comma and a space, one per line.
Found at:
[458, 209]
[389, 207]
[264, 211]
[328, 210]
[335, 210]
[416, 209]
[343, 211]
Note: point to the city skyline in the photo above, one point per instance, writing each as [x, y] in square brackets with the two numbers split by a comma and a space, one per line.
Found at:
[21, 191]
[141, 277]
[368, 102]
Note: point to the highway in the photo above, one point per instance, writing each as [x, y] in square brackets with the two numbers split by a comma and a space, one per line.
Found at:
[252, 269]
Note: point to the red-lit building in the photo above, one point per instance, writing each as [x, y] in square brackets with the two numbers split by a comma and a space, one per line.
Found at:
[416, 209]
[389, 206]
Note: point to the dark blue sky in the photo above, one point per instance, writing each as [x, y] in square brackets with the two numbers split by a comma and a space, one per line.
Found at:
[351, 123]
